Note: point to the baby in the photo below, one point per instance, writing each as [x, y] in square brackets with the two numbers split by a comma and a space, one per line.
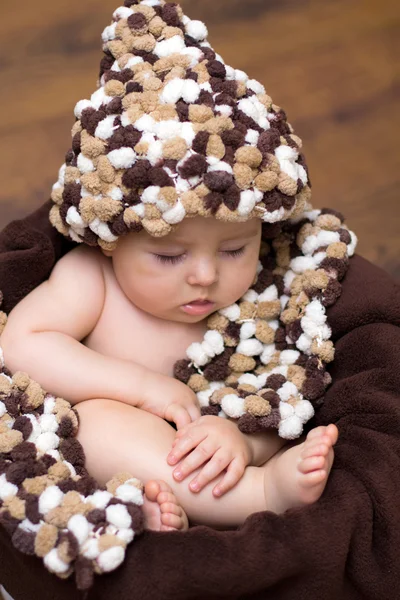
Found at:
[117, 321]
[176, 161]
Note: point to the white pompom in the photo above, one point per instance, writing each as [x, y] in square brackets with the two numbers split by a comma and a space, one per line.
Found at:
[80, 527]
[109, 33]
[48, 423]
[126, 535]
[135, 60]
[91, 549]
[289, 357]
[173, 91]
[291, 428]
[116, 193]
[197, 355]
[247, 202]
[111, 559]
[85, 165]
[304, 343]
[173, 45]
[99, 499]
[286, 153]
[250, 379]
[188, 133]
[252, 137]
[216, 341]
[256, 86]
[197, 30]
[106, 128]
[99, 97]
[241, 75]
[233, 406]
[304, 410]
[150, 194]
[80, 107]
[7, 489]
[47, 441]
[102, 230]
[166, 130]
[267, 354]
[175, 215]
[247, 330]
[286, 410]
[191, 91]
[155, 152]
[302, 263]
[251, 347]
[129, 493]
[204, 397]
[287, 390]
[122, 12]
[231, 312]
[145, 123]
[268, 295]
[3, 409]
[118, 515]
[273, 217]
[250, 296]
[50, 498]
[54, 563]
[317, 312]
[122, 158]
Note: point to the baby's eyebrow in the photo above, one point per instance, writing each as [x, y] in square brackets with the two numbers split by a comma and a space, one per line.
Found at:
[231, 238]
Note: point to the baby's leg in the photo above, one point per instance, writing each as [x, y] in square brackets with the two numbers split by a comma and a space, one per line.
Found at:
[117, 437]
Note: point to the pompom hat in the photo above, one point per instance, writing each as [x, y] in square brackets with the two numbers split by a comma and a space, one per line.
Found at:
[173, 132]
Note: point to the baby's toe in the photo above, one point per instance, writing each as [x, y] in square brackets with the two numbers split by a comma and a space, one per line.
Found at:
[316, 448]
[171, 521]
[318, 432]
[313, 463]
[170, 507]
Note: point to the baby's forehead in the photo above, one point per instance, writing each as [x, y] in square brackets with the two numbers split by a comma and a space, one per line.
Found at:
[200, 228]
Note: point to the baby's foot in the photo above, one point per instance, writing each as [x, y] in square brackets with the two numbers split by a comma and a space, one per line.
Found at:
[161, 509]
[298, 476]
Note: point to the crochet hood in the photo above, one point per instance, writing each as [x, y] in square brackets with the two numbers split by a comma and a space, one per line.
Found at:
[173, 132]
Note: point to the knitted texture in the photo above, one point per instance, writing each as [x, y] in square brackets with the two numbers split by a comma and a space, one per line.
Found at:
[171, 133]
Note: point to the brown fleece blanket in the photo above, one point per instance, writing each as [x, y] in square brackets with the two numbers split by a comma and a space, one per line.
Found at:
[345, 546]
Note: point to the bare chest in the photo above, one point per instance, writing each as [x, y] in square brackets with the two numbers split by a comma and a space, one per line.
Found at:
[124, 331]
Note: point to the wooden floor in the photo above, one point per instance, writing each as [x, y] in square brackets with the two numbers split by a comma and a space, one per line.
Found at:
[331, 64]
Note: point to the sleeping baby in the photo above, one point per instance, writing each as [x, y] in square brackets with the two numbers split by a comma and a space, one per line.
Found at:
[117, 321]
[178, 164]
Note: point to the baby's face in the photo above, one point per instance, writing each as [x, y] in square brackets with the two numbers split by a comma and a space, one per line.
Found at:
[203, 259]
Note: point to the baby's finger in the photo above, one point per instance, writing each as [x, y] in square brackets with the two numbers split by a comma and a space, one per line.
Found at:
[210, 471]
[233, 475]
[178, 415]
[194, 460]
[194, 412]
[186, 444]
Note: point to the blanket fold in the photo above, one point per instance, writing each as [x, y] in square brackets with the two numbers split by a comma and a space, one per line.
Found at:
[346, 545]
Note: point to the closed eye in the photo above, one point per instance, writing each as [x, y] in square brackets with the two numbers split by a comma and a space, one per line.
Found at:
[235, 253]
[173, 260]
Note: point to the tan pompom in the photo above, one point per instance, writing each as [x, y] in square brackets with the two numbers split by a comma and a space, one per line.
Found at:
[59, 471]
[198, 383]
[217, 322]
[325, 350]
[151, 212]
[144, 43]
[108, 246]
[337, 250]
[109, 541]
[117, 480]
[233, 378]
[199, 113]
[130, 217]
[243, 176]
[56, 221]
[3, 321]
[5, 385]
[328, 222]
[247, 387]
[287, 185]
[169, 195]
[117, 48]
[114, 88]
[318, 279]
[10, 439]
[152, 84]
[230, 216]
[249, 155]
[269, 310]
[71, 175]
[35, 395]
[216, 147]
[264, 332]
[218, 125]
[92, 183]
[297, 375]
[156, 227]
[57, 196]
[156, 26]
[21, 380]
[283, 257]
[76, 128]
[266, 181]
[289, 316]
[36, 485]
[45, 539]
[257, 406]
[191, 202]
[107, 208]
[147, 11]
[266, 100]
[240, 362]
[248, 310]
[174, 148]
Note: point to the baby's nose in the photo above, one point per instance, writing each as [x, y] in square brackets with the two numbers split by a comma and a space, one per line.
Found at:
[204, 273]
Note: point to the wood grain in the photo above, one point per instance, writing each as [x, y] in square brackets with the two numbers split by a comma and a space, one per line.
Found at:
[331, 65]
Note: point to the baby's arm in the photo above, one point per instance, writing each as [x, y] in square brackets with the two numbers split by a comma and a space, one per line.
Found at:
[43, 332]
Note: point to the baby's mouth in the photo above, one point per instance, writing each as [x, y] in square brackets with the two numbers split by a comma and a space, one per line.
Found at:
[198, 307]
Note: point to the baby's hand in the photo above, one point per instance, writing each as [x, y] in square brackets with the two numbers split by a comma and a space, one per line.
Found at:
[169, 399]
[219, 443]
